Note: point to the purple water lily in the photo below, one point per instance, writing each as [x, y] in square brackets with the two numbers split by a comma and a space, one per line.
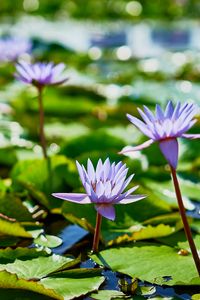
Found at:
[104, 187]
[11, 48]
[165, 127]
[41, 74]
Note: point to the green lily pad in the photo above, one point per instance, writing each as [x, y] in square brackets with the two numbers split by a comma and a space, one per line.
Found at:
[12, 227]
[12, 206]
[151, 263]
[11, 281]
[108, 295]
[9, 255]
[37, 271]
[47, 240]
[36, 268]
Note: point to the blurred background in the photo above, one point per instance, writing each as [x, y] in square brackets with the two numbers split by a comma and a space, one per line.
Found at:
[119, 54]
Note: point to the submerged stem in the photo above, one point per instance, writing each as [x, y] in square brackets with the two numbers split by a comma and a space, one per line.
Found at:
[41, 123]
[95, 245]
[185, 221]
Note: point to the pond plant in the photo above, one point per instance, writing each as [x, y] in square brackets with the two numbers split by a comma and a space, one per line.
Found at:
[40, 75]
[165, 127]
[104, 187]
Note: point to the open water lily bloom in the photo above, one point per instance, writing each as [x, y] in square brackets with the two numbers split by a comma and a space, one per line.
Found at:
[41, 74]
[165, 126]
[104, 187]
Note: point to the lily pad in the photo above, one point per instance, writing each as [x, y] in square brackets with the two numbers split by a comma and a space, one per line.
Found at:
[151, 263]
[46, 275]
[108, 295]
[47, 240]
[12, 227]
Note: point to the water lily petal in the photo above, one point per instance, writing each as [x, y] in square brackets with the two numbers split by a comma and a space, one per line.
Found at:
[169, 110]
[169, 149]
[131, 198]
[159, 112]
[106, 210]
[91, 171]
[73, 197]
[81, 172]
[191, 136]
[136, 148]
[149, 114]
[140, 125]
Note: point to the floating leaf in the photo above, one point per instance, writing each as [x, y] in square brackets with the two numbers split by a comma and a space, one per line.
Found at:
[11, 281]
[142, 233]
[47, 240]
[74, 283]
[12, 227]
[12, 206]
[151, 263]
[185, 245]
[109, 295]
[35, 268]
[9, 255]
[46, 275]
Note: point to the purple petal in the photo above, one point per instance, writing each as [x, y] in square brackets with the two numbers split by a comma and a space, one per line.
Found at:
[73, 197]
[191, 136]
[91, 171]
[176, 112]
[100, 188]
[159, 112]
[144, 116]
[149, 114]
[131, 198]
[106, 169]
[119, 166]
[169, 110]
[106, 211]
[90, 192]
[131, 190]
[136, 148]
[59, 68]
[99, 170]
[81, 173]
[169, 149]
[108, 189]
[22, 72]
[140, 125]
[121, 176]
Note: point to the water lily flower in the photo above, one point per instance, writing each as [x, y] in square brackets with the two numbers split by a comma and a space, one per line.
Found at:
[11, 48]
[164, 127]
[41, 74]
[104, 187]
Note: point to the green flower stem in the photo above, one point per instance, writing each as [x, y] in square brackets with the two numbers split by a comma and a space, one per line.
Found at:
[95, 246]
[185, 221]
[41, 122]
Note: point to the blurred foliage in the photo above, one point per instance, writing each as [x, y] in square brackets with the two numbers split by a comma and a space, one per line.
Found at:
[105, 9]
